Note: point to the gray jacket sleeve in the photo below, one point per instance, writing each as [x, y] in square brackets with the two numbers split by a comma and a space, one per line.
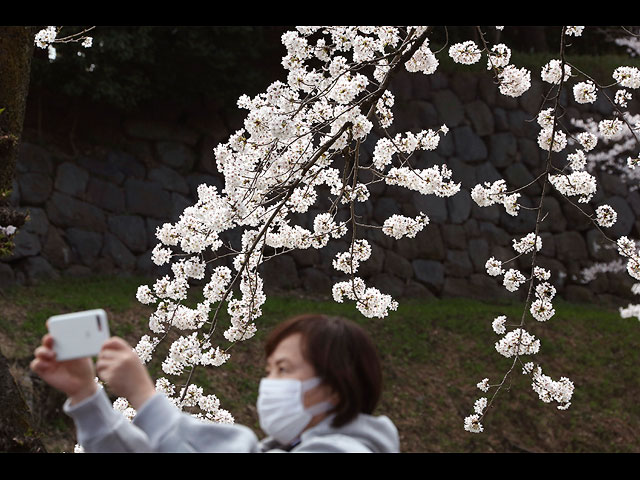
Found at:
[157, 427]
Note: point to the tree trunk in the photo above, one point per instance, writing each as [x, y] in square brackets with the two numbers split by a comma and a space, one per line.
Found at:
[16, 50]
[16, 432]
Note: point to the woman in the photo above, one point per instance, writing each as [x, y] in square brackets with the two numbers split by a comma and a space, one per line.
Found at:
[323, 382]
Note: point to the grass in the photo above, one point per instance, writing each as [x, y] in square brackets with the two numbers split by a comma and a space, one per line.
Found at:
[433, 352]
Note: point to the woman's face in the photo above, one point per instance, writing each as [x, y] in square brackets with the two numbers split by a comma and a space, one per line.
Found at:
[287, 361]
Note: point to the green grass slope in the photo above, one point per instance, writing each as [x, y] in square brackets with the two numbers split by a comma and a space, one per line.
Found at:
[433, 352]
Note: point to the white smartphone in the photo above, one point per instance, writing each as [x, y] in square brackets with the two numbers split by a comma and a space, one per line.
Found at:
[78, 334]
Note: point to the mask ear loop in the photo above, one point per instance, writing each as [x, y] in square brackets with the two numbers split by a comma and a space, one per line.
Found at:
[310, 383]
[319, 407]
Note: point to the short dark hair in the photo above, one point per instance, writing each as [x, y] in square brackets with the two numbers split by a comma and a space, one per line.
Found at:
[343, 356]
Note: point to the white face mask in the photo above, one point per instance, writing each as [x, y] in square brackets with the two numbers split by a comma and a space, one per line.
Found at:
[281, 410]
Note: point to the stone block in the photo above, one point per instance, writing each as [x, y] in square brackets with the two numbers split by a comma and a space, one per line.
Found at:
[449, 107]
[454, 236]
[502, 149]
[105, 195]
[599, 247]
[414, 289]
[384, 208]
[176, 155]
[387, 284]
[66, 211]
[169, 179]
[36, 270]
[56, 249]
[470, 147]
[432, 206]
[35, 188]
[280, 272]
[35, 159]
[147, 199]
[103, 169]
[458, 264]
[553, 217]
[397, 265]
[309, 257]
[430, 273]
[38, 222]
[481, 117]
[578, 294]
[479, 249]
[115, 250]
[570, 246]
[517, 175]
[26, 244]
[130, 230]
[427, 244]
[85, 244]
[374, 264]
[314, 280]
[625, 219]
[459, 206]
[71, 179]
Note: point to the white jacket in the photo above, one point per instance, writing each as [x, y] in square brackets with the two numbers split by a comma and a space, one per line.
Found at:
[161, 427]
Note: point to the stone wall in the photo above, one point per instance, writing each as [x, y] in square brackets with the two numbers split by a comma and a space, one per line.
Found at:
[97, 213]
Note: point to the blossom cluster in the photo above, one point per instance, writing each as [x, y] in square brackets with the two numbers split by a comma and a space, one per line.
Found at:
[7, 231]
[404, 144]
[627, 248]
[369, 300]
[499, 56]
[423, 61]
[549, 390]
[466, 53]
[541, 308]
[290, 145]
[488, 194]
[513, 81]
[527, 243]
[580, 183]
[434, 180]
[585, 92]
[552, 72]
[574, 31]
[348, 262]
[549, 136]
[48, 36]
[627, 77]
[399, 226]
[617, 154]
[606, 216]
[517, 342]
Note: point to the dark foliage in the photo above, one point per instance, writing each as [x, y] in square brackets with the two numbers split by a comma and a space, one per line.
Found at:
[128, 66]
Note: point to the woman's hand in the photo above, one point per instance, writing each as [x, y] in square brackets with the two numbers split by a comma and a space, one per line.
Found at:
[75, 377]
[120, 367]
